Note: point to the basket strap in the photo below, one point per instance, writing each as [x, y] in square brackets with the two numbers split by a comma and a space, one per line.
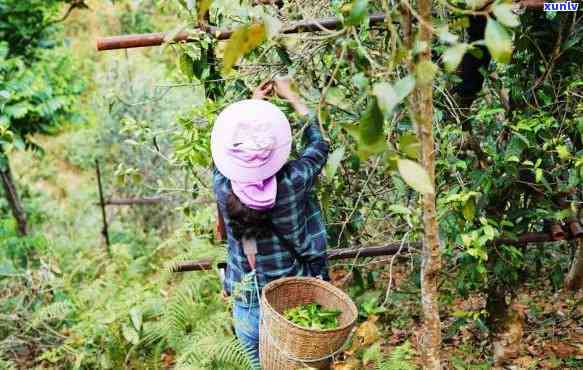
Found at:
[304, 361]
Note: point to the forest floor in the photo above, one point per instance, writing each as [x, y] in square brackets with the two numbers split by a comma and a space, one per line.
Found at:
[547, 332]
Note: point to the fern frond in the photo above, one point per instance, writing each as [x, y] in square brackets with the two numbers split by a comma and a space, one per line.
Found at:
[399, 359]
[216, 353]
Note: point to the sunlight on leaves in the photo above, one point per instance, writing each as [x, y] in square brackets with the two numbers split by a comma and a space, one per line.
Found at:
[563, 151]
[447, 37]
[452, 57]
[498, 41]
[333, 162]
[415, 176]
[390, 95]
[505, 15]
[130, 334]
[243, 40]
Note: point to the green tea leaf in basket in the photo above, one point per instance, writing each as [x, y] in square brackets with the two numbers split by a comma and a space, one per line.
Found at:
[313, 316]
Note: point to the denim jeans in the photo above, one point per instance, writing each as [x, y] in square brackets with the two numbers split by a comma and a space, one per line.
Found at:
[246, 321]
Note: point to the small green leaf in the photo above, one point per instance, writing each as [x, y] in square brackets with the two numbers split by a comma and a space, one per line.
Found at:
[358, 13]
[136, 317]
[389, 96]
[505, 15]
[425, 72]
[18, 110]
[404, 86]
[130, 334]
[386, 96]
[563, 151]
[333, 162]
[452, 57]
[369, 132]
[4, 121]
[498, 41]
[447, 37]
[390, 160]
[371, 124]
[360, 80]
[409, 145]
[469, 210]
[283, 55]
[334, 96]
[186, 65]
[415, 176]
[3, 50]
[399, 209]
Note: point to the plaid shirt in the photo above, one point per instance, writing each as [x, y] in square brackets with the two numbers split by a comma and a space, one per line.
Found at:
[296, 215]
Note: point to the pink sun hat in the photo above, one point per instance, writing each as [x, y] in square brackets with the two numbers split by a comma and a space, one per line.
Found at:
[251, 140]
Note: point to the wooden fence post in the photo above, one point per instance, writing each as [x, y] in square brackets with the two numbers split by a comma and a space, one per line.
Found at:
[104, 230]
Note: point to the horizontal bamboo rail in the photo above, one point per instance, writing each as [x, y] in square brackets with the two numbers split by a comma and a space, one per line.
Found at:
[393, 248]
[334, 254]
[310, 25]
[158, 38]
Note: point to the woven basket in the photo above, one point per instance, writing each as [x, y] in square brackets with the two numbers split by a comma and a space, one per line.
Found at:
[282, 343]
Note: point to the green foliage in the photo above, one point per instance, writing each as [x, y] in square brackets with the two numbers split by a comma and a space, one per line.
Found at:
[37, 98]
[38, 86]
[27, 26]
[15, 251]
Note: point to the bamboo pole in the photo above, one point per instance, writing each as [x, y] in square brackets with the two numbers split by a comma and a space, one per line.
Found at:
[158, 38]
[310, 25]
[386, 250]
[335, 254]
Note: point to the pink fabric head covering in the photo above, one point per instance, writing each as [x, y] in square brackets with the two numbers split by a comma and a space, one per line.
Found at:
[250, 142]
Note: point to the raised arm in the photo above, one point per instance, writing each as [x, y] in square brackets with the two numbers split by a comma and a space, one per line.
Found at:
[314, 156]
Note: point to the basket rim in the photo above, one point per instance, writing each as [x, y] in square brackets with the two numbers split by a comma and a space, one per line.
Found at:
[280, 281]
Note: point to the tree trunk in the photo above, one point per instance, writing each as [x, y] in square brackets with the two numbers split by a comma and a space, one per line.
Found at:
[421, 105]
[12, 197]
[574, 279]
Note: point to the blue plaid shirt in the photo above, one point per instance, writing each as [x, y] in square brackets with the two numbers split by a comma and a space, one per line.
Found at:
[296, 215]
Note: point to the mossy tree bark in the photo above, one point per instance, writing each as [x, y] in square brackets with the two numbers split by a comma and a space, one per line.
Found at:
[421, 108]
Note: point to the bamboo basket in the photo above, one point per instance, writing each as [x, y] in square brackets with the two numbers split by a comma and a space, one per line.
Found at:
[284, 345]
